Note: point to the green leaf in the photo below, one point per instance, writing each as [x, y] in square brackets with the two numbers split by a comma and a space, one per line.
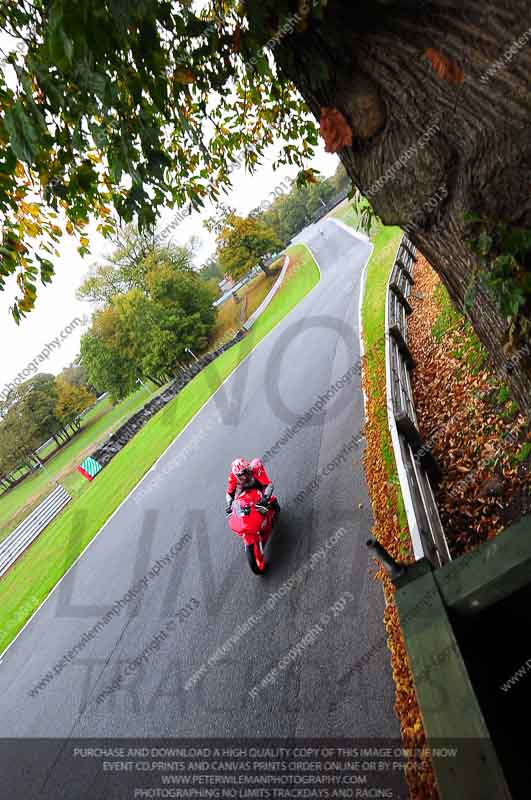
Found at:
[60, 46]
[23, 136]
[196, 27]
[484, 243]
[470, 293]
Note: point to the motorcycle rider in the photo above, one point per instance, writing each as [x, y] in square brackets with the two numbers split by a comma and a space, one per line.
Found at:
[245, 475]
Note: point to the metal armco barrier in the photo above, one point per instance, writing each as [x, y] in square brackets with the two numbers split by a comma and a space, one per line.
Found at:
[415, 463]
[14, 545]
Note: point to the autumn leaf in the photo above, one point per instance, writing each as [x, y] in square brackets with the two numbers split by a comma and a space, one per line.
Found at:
[34, 210]
[183, 76]
[446, 69]
[335, 130]
[32, 229]
[389, 532]
[309, 176]
[476, 444]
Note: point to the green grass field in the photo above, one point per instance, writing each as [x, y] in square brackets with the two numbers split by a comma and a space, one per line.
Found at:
[347, 214]
[385, 241]
[99, 422]
[35, 574]
[105, 418]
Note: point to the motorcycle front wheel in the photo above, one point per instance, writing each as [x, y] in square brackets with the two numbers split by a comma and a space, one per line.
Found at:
[255, 559]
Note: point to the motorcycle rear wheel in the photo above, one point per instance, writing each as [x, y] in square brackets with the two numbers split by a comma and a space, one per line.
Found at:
[252, 560]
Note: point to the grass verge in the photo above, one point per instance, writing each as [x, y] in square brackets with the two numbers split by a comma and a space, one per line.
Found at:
[390, 521]
[98, 424]
[349, 215]
[36, 573]
[105, 418]
[346, 213]
[385, 242]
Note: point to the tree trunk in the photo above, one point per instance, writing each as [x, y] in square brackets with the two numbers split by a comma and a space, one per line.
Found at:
[265, 269]
[369, 61]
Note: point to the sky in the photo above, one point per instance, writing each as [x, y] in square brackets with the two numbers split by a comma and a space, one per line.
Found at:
[57, 306]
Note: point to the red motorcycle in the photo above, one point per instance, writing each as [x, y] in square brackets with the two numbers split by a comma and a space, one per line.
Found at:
[255, 524]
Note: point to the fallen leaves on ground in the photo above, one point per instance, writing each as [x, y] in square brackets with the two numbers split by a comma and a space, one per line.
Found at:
[474, 435]
[482, 487]
[383, 493]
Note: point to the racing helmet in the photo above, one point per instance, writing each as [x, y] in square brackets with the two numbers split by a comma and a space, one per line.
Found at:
[240, 468]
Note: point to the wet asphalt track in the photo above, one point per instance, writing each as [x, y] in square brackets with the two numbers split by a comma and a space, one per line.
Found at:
[317, 694]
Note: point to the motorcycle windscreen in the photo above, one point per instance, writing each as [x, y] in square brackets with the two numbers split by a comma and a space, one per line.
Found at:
[245, 518]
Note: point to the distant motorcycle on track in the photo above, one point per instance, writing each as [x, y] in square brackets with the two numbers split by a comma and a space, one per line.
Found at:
[254, 523]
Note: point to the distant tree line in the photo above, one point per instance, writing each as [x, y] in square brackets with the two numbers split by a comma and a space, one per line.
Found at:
[43, 407]
[151, 307]
[245, 242]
